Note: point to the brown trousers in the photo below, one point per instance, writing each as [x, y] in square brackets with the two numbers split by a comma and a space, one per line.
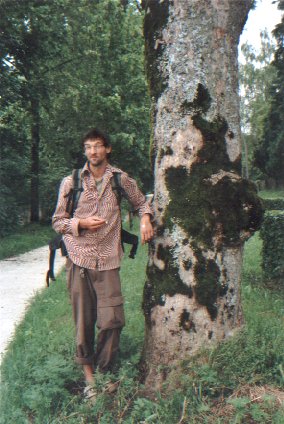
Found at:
[96, 299]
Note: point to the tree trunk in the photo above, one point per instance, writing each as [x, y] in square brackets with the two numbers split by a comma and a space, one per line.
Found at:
[204, 209]
[35, 159]
[246, 173]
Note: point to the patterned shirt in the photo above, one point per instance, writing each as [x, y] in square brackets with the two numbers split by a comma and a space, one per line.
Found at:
[100, 249]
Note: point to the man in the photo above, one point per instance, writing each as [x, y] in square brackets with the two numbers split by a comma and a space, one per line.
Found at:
[93, 241]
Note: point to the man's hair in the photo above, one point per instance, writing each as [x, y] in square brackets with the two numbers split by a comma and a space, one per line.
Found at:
[96, 133]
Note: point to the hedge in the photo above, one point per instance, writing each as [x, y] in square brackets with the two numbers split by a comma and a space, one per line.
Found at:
[273, 204]
[272, 234]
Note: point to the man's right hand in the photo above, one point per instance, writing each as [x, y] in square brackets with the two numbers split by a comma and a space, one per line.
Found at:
[91, 223]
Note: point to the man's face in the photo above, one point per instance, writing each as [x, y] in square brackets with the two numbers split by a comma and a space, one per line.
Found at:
[96, 152]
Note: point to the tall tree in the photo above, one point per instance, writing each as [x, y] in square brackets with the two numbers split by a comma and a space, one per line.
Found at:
[269, 155]
[204, 209]
[256, 76]
[31, 40]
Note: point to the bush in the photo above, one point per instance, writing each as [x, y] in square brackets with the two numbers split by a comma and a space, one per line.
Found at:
[272, 234]
[273, 204]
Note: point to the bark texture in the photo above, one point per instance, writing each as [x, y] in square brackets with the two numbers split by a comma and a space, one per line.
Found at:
[204, 209]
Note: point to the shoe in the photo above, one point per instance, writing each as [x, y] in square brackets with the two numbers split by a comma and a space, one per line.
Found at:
[90, 393]
[111, 386]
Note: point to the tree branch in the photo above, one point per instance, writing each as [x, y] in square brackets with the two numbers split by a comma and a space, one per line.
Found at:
[138, 5]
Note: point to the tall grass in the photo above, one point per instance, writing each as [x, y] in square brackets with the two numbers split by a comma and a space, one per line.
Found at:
[42, 385]
[256, 353]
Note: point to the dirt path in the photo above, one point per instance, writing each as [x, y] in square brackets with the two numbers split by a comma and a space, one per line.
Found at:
[20, 278]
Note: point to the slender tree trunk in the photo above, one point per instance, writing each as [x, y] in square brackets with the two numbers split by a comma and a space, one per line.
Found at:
[204, 209]
[246, 157]
[35, 132]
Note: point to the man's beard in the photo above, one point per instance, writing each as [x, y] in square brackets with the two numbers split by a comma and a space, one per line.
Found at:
[98, 162]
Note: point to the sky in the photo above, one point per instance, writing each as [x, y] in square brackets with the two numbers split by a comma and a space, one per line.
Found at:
[264, 16]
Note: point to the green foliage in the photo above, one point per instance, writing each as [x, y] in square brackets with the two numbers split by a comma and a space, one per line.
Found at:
[256, 76]
[245, 410]
[14, 172]
[269, 155]
[273, 204]
[31, 42]
[26, 238]
[271, 194]
[9, 212]
[261, 80]
[272, 234]
[65, 69]
[41, 383]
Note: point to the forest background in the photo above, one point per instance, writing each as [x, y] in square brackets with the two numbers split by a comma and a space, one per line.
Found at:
[67, 66]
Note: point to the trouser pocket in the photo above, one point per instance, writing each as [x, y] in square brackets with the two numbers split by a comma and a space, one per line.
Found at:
[110, 313]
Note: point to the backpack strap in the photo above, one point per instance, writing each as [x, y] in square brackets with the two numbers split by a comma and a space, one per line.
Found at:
[119, 192]
[77, 188]
[116, 186]
[72, 202]
[74, 194]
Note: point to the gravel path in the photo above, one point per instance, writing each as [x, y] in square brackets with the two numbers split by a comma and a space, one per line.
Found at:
[20, 278]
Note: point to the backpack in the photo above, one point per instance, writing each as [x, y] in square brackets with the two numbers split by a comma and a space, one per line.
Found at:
[72, 202]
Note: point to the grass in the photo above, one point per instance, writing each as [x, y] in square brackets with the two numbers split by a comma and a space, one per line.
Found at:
[27, 238]
[240, 381]
[258, 349]
[272, 194]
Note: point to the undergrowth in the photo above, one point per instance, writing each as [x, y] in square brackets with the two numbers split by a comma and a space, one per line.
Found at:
[28, 237]
[41, 383]
[272, 194]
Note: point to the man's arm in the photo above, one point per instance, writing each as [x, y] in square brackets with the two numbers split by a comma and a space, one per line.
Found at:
[139, 203]
[146, 228]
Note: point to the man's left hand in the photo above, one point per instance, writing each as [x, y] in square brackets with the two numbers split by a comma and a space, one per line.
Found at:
[146, 229]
